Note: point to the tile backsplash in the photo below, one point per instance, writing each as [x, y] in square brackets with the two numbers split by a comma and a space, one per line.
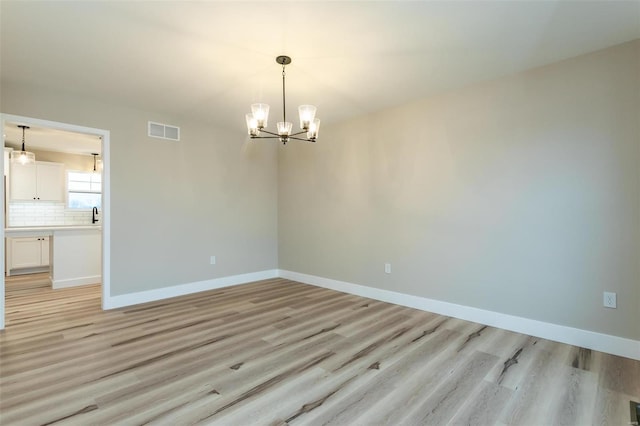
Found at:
[45, 213]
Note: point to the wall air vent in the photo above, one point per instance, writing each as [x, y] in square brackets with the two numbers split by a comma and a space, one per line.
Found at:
[164, 131]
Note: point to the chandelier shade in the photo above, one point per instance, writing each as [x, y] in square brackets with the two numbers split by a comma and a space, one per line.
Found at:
[257, 120]
[252, 125]
[22, 156]
[260, 114]
[314, 128]
[284, 128]
[307, 114]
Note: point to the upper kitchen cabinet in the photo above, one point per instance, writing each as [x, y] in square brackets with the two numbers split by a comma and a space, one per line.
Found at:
[42, 181]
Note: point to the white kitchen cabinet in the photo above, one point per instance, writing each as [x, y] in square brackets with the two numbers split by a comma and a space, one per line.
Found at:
[23, 184]
[28, 252]
[7, 151]
[45, 253]
[41, 181]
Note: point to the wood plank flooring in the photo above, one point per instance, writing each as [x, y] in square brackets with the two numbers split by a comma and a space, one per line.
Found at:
[278, 352]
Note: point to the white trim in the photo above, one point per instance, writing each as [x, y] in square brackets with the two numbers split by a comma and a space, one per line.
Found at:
[106, 218]
[573, 336]
[74, 282]
[184, 289]
[106, 198]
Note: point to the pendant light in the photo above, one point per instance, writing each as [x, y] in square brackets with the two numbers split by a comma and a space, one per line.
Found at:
[96, 173]
[23, 157]
[95, 159]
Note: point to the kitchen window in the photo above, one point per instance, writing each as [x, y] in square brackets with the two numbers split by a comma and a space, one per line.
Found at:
[84, 190]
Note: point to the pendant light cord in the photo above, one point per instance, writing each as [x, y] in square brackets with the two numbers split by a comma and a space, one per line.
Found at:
[23, 127]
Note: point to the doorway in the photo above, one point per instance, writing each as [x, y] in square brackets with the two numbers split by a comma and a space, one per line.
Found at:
[6, 121]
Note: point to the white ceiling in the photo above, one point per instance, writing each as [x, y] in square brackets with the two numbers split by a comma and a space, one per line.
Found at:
[47, 139]
[212, 60]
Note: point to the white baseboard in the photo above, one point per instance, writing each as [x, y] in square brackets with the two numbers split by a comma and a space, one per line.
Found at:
[573, 336]
[74, 282]
[184, 289]
[27, 271]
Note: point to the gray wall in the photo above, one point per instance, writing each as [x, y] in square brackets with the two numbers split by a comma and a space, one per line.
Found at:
[173, 204]
[520, 196]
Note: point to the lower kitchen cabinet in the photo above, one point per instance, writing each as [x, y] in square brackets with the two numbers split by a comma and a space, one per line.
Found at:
[27, 252]
[72, 255]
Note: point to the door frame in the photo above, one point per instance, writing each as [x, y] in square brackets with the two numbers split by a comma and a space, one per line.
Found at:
[106, 199]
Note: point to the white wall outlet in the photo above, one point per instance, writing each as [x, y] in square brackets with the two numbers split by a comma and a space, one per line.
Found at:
[387, 268]
[212, 260]
[610, 300]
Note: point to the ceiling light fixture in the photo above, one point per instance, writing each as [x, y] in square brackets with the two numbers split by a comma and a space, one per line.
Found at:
[257, 119]
[23, 157]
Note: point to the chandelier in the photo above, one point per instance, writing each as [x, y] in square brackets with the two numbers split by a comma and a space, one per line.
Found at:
[257, 119]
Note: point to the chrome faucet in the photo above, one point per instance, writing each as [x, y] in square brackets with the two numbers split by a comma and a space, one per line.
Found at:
[94, 215]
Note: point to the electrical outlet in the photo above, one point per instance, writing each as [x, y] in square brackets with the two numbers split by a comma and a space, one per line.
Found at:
[609, 300]
[213, 260]
[387, 268]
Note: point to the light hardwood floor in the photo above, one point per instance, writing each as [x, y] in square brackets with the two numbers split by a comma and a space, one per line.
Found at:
[278, 352]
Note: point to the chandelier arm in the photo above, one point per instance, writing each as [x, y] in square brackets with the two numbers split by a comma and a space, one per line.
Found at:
[302, 139]
[265, 137]
[268, 132]
[298, 133]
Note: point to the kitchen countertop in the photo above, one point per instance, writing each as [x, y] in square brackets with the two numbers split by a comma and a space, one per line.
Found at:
[47, 230]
